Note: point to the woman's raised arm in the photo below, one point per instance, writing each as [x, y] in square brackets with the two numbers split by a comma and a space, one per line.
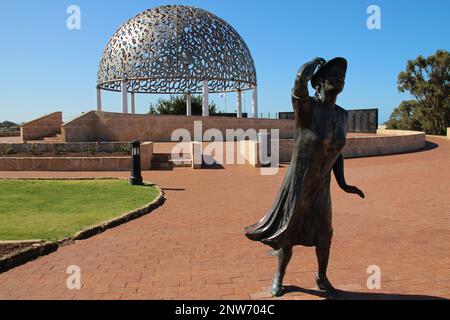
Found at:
[304, 75]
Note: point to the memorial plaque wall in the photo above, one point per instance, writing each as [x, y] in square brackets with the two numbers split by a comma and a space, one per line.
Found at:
[362, 120]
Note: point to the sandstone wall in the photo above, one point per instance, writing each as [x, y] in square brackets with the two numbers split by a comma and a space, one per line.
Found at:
[81, 129]
[45, 126]
[79, 163]
[108, 126]
[386, 142]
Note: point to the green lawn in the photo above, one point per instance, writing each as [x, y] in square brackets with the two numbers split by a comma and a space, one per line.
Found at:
[55, 209]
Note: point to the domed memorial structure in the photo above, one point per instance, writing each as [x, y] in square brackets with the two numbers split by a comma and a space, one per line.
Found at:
[177, 50]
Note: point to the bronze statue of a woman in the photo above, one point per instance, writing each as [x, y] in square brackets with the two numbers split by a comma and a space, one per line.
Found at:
[301, 213]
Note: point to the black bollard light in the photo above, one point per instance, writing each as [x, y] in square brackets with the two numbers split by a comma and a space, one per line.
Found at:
[136, 176]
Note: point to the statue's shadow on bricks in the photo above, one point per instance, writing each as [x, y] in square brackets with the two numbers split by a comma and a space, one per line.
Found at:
[348, 295]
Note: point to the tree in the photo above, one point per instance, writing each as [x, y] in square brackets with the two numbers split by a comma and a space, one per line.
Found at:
[8, 124]
[405, 117]
[428, 81]
[176, 105]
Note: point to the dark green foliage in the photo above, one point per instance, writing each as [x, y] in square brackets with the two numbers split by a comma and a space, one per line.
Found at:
[428, 80]
[35, 150]
[176, 105]
[405, 117]
[7, 150]
[89, 149]
[8, 126]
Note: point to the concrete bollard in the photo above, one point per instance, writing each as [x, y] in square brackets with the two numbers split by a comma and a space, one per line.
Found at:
[196, 155]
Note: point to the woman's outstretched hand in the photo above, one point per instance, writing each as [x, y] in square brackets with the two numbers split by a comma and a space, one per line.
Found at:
[321, 61]
[307, 70]
[355, 190]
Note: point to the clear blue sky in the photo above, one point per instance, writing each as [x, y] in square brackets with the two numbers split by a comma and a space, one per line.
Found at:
[45, 67]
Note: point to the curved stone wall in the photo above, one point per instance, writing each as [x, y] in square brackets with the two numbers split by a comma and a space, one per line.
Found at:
[385, 142]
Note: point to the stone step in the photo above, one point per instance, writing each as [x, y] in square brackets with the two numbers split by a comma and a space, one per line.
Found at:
[50, 139]
[161, 157]
[164, 161]
[181, 163]
[56, 138]
[161, 161]
[161, 166]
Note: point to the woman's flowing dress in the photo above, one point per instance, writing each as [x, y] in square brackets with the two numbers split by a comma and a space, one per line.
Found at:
[301, 213]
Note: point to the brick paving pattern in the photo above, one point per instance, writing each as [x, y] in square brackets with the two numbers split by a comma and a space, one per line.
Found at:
[194, 246]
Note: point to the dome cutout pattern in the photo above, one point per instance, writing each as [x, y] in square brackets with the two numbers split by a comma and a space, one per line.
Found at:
[173, 49]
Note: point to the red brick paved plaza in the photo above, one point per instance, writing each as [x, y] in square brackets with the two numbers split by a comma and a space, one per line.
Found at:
[194, 246]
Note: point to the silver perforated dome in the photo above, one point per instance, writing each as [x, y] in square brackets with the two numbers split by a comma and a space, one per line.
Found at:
[172, 49]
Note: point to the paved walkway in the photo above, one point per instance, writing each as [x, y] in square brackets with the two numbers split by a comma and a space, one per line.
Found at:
[194, 247]
[11, 140]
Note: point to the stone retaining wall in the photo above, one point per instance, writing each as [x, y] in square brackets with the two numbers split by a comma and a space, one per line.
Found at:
[108, 126]
[65, 164]
[77, 163]
[45, 126]
[79, 147]
[9, 134]
[386, 142]
[81, 129]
